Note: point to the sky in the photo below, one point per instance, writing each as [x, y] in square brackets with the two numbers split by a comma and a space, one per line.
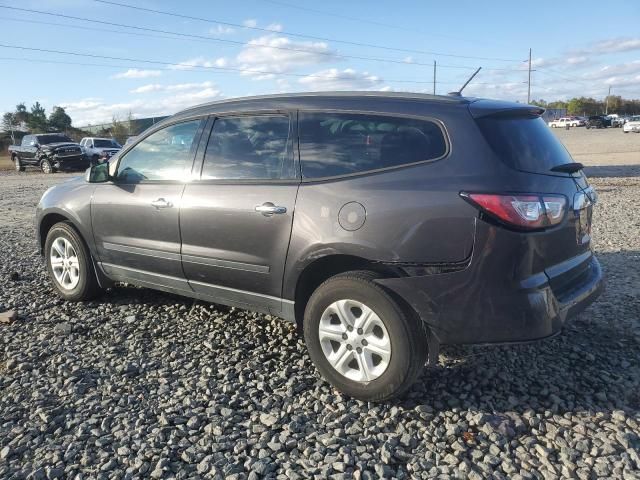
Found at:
[100, 59]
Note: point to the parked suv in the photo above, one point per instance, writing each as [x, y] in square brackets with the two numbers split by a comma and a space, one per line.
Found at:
[598, 121]
[99, 149]
[382, 224]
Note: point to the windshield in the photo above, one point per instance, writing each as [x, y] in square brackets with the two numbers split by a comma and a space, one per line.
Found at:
[635, 119]
[100, 143]
[524, 143]
[46, 139]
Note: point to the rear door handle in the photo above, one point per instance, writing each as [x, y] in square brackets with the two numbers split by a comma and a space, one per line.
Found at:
[268, 209]
[161, 203]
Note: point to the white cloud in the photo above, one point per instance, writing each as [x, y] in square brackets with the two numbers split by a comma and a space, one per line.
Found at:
[250, 22]
[136, 73]
[259, 55]
[96, 111]
[152, 87]
[221, 30]
[200, 62]
[615, 45]
[276, 27]
[347, 79]
[580, 60]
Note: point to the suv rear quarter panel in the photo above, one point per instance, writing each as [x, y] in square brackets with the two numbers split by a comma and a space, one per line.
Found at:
[414, 214]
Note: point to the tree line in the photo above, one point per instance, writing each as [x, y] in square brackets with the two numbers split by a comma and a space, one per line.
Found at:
[590, 106]
[35, 120]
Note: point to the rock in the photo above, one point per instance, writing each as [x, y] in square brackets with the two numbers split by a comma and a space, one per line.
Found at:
[62, 328]
[9, 316]
[268, 419]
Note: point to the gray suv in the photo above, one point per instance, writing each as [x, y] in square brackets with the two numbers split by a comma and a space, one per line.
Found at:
[382, 224]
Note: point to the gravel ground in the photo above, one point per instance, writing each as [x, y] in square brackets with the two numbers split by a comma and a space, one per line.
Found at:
[146, 384]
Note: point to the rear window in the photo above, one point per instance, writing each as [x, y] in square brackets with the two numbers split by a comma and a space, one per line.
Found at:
[342, 144]
[524, 143]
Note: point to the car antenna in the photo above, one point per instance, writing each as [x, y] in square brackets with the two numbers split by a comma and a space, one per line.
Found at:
[459, 92]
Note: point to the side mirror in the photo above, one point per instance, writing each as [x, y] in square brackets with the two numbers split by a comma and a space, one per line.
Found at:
[98, 173]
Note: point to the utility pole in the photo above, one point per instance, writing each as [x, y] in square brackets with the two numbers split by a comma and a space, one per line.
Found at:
[434, 77]
[606, 103]
[529, 81]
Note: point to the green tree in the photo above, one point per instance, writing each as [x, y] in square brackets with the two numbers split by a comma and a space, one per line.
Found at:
[9, 124]
[118, 130]
[37, 119]
[59, 120]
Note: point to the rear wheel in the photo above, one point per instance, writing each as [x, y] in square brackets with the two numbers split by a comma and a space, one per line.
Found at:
[69, 264]
[361, 340]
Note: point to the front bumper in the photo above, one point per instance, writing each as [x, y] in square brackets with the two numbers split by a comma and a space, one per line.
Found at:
[492, 301]
[76, 162]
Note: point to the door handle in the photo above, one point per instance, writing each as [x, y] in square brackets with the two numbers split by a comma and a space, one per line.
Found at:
[268, 209]
[161, 203]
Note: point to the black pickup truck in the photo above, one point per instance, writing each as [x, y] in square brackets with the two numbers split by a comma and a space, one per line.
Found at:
[50, 152]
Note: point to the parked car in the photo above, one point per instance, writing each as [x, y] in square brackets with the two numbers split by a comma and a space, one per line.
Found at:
[566, 121]
[49, 151]
[382, 224]
[616, 121]
[632, 125]
[598, 121]
[97, 149]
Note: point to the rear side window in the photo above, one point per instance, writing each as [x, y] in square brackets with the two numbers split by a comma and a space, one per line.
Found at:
[343, 143]
[524, 143]
[249, 148]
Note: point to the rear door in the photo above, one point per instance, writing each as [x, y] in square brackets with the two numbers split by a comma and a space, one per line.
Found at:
[135, 217]
[236, 218]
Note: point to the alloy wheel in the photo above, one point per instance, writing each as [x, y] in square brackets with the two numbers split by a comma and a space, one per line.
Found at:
[354, 340]
[64, 263]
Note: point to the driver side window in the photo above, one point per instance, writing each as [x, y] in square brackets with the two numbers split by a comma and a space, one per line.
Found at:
[164, 155]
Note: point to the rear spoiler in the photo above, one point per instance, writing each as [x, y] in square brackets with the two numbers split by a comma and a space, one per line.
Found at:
[491, 108]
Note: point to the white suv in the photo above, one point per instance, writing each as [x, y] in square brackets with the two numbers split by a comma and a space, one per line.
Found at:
[96, 148]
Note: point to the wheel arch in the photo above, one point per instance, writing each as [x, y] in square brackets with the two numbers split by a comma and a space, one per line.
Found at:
[320, 269]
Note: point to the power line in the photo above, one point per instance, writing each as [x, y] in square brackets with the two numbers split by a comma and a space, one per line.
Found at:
[300, 35]
[194, 68]
[186, 65]
[228, 41]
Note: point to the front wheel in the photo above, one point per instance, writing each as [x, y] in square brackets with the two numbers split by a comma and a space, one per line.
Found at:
[69, 264]
[18, 164]
[361, 340]
[46, 166]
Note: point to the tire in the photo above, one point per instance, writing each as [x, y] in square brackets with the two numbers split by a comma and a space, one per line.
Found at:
[46, 166]
[18, 164]
[84, 286]
[401, 337]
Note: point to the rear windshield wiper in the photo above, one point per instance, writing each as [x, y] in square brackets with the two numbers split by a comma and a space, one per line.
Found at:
[568, 167]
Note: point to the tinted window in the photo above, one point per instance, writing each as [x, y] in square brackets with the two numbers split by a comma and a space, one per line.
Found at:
[98, 143]
[340, 144]
[164, 155]
[251, 147]
[524, 143]
[45, 139]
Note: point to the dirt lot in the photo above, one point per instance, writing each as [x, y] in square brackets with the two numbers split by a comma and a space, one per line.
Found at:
[140, 383]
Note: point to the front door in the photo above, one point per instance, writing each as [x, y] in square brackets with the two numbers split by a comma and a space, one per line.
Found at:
[135, 217]
[236, 219]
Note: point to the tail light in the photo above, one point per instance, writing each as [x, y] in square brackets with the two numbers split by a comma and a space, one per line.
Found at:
[522, 211]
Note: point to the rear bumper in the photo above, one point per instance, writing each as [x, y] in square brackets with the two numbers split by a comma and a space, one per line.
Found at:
[495, 300]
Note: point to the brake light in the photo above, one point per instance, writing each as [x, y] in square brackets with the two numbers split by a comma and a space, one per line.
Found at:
[524, 211]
